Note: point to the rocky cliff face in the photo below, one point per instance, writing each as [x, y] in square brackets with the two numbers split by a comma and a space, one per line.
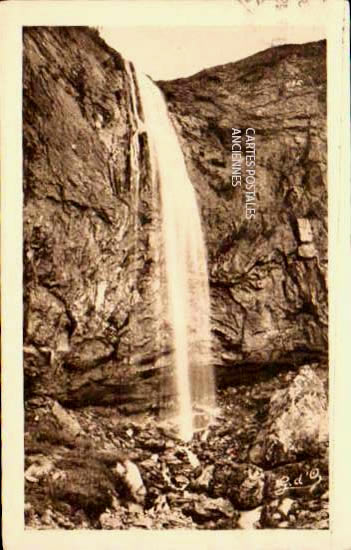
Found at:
[82, 263]
[268, 273]
[88, 277]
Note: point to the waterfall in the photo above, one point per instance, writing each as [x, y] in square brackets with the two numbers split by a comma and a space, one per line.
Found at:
[184, 289]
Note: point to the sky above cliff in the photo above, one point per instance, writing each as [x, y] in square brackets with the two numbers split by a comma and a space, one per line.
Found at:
[171, 52]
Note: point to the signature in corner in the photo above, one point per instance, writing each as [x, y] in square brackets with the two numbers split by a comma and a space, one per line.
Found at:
[285, 484]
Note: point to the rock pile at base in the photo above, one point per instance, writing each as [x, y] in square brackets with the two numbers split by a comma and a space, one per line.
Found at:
[119, 474]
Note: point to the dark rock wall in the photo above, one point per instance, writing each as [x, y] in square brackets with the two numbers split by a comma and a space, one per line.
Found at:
[82, 264]
[268, 274]
[88, 290]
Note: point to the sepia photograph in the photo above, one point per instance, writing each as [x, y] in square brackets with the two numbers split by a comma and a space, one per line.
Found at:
[175, 295]
[175, 220]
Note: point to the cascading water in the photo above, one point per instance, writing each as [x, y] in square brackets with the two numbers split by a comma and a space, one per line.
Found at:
[184, 289]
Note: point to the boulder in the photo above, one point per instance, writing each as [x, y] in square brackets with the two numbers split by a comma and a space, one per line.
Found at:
[67, 421]
[129, 477]
[203, 481]
[83, 484]
[246, 489]
[297, 423]
[243, 484]
[202, 508]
